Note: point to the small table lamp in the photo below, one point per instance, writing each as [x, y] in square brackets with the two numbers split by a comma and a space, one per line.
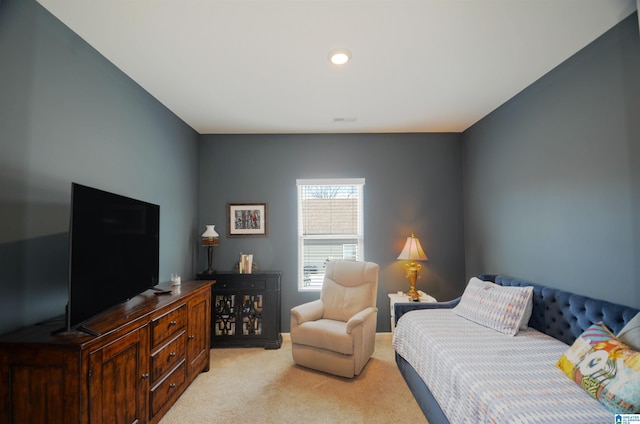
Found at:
[210, 239]
[413, 252]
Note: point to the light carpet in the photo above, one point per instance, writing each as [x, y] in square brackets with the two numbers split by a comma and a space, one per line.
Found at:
[257, 385]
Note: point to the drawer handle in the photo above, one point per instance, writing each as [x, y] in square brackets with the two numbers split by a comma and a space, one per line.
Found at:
[172, 385]
[145, 376]
[172, 355]
[172, 323]
[191, 337]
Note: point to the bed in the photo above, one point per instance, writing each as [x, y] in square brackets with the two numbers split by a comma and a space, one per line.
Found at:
[460, 371]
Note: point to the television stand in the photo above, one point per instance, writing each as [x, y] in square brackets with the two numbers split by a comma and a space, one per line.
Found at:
[161, 344]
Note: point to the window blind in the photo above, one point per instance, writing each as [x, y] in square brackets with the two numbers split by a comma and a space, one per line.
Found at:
[330, 226]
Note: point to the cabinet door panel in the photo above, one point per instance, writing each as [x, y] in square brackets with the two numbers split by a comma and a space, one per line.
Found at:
[36, 388]
[225, 314]
[119, 380]
[198, 334]
[252, 314]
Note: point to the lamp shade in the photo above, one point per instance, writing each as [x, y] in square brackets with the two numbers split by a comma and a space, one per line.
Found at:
[210, 236]
[412, 250]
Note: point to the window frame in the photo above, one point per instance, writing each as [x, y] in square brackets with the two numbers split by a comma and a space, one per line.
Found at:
[358, 238]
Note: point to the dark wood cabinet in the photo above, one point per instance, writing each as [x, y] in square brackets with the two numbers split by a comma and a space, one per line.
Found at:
[198, 334]
[117, 387]
[149, 350]
[245, 310]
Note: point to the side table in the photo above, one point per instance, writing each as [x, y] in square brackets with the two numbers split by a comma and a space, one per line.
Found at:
[396, 297]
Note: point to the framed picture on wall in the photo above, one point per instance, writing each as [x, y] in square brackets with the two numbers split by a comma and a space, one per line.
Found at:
[246, 219]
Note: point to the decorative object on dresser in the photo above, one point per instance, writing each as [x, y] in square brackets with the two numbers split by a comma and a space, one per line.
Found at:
[413, 252]
[246, 219]
[245, 310]
[149, 350]
[245, 266]
[209, 239]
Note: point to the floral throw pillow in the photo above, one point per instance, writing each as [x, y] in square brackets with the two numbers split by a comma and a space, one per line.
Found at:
[606, 368]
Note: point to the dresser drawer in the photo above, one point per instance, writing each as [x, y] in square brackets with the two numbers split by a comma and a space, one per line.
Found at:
[242, 285]
[168, 388]
[168, 325]
[168, 357]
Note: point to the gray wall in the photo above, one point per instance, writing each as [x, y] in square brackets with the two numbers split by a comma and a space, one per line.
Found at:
[413, 184]
[67, 114]
[552, 178]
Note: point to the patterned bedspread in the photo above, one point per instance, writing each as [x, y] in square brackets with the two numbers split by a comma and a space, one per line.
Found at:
[478, 375]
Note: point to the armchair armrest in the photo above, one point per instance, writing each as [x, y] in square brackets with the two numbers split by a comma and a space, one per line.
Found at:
[310, 311]
[402, 308]
[360, 318]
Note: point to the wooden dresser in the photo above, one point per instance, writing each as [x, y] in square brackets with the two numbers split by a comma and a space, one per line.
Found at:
[148, 352]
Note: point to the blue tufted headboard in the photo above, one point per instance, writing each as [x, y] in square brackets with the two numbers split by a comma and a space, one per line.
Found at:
[565, 315]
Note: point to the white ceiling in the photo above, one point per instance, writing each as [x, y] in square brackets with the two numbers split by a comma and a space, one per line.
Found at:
[241, 66]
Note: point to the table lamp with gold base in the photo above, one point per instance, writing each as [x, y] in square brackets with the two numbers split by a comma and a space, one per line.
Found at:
[413, 252]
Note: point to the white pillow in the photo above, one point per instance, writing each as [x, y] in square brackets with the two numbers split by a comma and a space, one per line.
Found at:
[630, 333]
[500, 308]
[527, 313]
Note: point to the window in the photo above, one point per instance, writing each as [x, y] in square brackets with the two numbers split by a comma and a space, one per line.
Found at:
[329, 226]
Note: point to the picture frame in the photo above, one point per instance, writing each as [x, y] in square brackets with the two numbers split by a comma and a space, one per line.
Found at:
[247, 219]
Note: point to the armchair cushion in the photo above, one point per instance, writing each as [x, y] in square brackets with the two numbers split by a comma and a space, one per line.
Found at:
[347, 290]
[326, 334]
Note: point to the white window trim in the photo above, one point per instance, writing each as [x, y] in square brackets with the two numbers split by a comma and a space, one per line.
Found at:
[359, 239]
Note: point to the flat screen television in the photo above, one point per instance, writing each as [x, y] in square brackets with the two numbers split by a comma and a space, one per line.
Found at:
[113, 251]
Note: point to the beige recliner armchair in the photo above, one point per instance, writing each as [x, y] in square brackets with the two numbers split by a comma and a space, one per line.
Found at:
[336, 334]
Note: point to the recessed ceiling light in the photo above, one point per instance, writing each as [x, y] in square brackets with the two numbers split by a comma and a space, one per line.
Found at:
[339, 56]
